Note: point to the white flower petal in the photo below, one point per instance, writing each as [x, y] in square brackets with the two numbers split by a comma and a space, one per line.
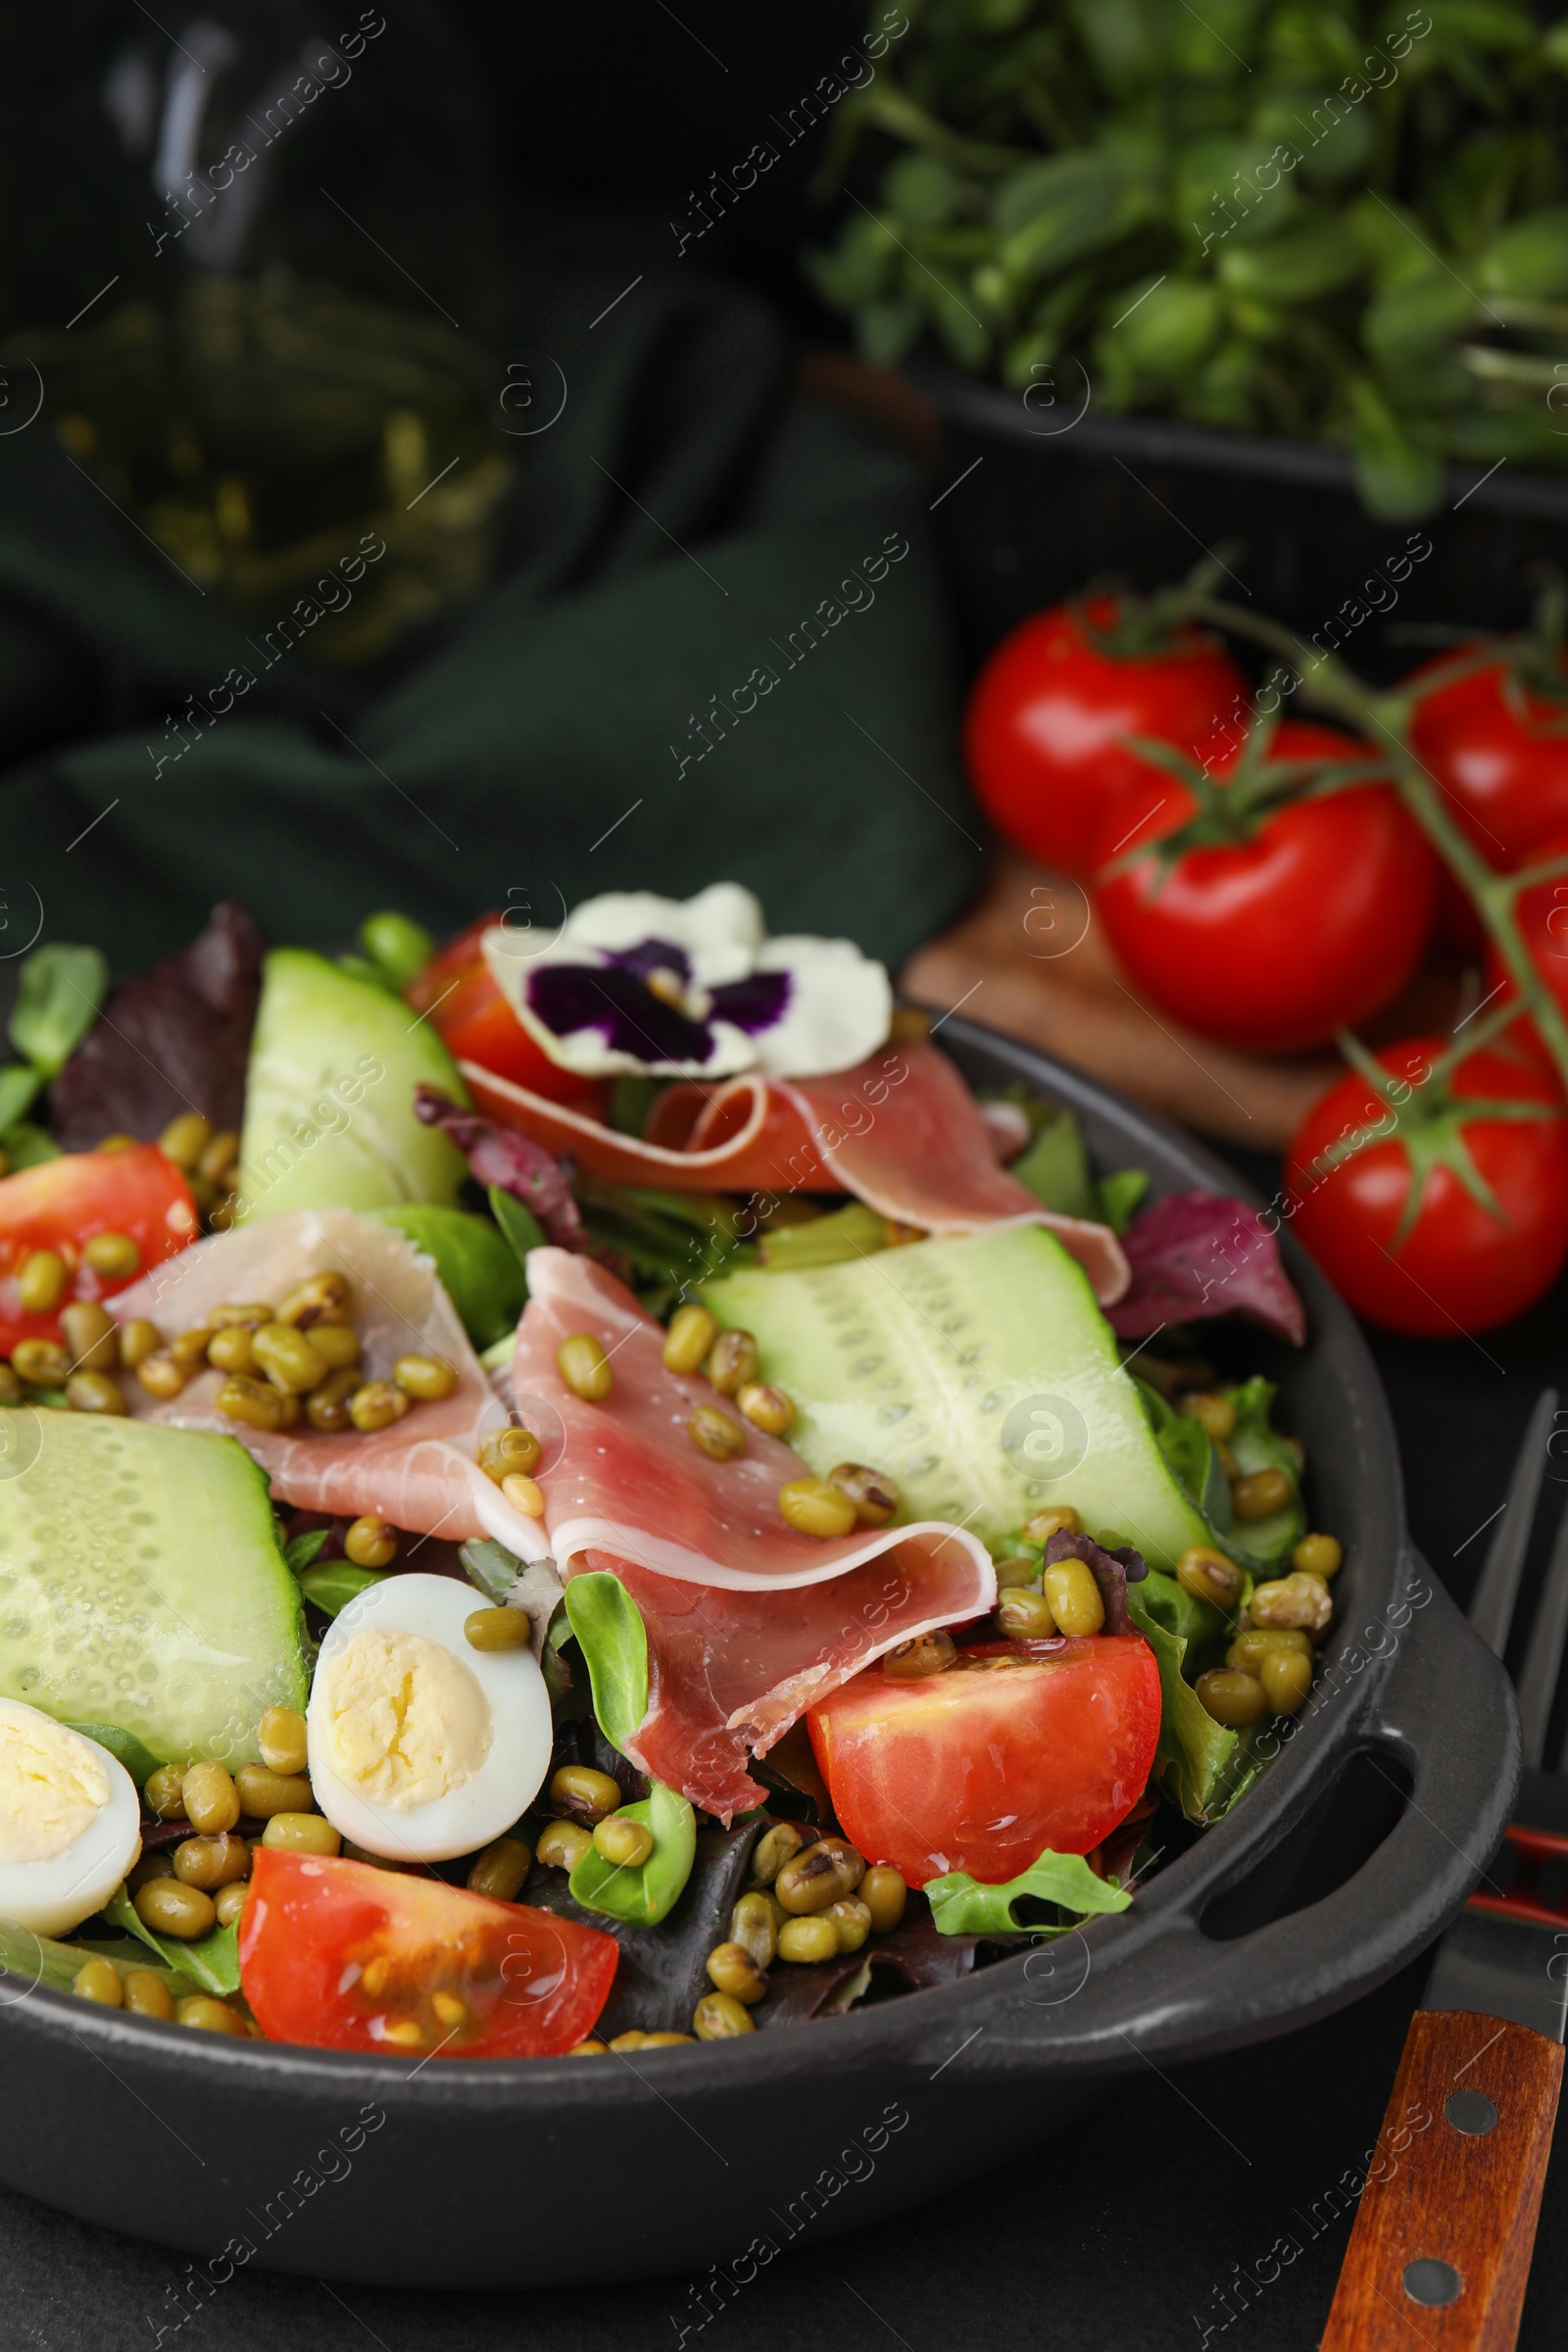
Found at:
[721, 919]
[839, 1008]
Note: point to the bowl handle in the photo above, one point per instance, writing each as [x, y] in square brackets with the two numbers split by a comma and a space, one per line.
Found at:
[1150, 1983]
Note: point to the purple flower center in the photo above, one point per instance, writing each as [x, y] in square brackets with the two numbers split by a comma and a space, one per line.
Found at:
[650, 955]
[615, 999]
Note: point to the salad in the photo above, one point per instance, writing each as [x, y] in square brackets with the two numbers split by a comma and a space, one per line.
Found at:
[579, 1489]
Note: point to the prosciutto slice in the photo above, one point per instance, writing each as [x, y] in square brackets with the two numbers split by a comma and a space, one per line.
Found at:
[730, 1670]
[901, 1132]
[623, 1477]
[420, 1473]
[748, 1622]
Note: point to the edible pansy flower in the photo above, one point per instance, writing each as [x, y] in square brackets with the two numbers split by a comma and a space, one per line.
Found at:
[637, 984]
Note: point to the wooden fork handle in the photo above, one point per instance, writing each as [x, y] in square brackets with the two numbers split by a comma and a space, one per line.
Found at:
[1440, 2253]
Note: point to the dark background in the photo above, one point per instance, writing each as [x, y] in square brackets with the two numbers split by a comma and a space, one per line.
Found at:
[1122, 2235]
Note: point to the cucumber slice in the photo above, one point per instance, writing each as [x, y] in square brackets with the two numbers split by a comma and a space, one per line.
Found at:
[329, 1096]
[980, 1374]
[141, 1584]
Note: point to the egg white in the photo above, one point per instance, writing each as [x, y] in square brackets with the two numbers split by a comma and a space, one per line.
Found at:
[520, 1728]
[54, 1896]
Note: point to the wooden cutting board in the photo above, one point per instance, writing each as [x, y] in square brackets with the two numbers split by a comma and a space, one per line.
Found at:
[1029, 960]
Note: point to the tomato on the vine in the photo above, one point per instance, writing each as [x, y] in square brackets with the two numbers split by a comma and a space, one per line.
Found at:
[457, 992]
[1286, 897]
[1496, 743]
[1044, 732]
[1431, 1185]
[1541, 914]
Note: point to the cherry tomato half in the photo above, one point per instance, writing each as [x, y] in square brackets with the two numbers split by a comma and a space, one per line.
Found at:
[347, 1957]
[1042, 733]
[1499, 754]
[1463, 1265]
[61, 1203]
[1018, 1746]
[1273, 942]
[475, 1023]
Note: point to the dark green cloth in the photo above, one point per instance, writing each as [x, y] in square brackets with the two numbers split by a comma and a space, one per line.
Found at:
[525, 745]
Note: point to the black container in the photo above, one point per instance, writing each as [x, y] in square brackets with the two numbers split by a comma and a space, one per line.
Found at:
[1050, 502]
[1319, 1885]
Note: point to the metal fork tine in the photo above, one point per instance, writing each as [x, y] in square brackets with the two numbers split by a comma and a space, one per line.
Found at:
[1537, 1683]
[1491, 1609]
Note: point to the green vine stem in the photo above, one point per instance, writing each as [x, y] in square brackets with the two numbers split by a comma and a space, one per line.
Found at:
[1333, 686]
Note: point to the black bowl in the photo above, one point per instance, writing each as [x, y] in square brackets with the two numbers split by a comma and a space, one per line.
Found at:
[1359, 1844]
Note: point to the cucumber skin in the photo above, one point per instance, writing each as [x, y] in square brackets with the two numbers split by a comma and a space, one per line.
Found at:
[80, 1607]
[915, 1360]
[329, 1097]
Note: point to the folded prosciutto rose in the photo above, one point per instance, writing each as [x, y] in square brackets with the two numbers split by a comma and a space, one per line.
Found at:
[748, 1621]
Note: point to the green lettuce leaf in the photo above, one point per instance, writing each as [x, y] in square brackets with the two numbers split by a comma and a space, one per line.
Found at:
[1187, 1447]
[18, 1085]
[614, 1641]
[1206, 1630]
[397, 947]
[126, 1952]
[521, 1229]
[610, 1634]
[1258, 1447]
[1201, 1767]
[123, 1746]
[300, 1551]
[1121, 1195]
[58, 993]
[830, 1241]
[332, 1588]
[490, 1566]
[631, 1098]
[27, 1959]
[642, 1896]
[962, 1906]
[1055, 1168]
[478, 1270]
[28, 1147]
[671, 1240]
[212, 1960]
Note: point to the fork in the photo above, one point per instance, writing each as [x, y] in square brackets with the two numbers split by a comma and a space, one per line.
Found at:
[1446, 2221]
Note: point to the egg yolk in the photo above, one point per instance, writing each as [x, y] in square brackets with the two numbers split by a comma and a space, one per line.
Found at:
[52, 1789]
[405, 1722]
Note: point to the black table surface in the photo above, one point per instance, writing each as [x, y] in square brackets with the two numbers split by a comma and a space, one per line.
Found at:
[1142, 2231]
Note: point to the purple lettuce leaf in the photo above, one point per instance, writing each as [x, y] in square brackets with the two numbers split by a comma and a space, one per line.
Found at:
[914, 1955]
[1196, 1254]
[518, 1165]
[1112, 1572]
[178, 1036]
